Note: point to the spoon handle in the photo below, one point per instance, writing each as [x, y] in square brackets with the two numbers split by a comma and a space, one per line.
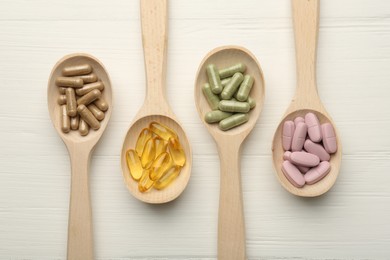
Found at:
[154, 38]
[80, 245]
[306, 19]
[231, 227]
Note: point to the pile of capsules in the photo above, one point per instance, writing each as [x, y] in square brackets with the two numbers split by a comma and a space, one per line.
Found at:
[82, 105]
[227, 93]
[307, 146]
[157, 159]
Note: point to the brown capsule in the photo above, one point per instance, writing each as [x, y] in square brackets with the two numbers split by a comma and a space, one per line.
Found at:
[71, 104]
[77, 70]
[69, 82]
[101, 104]
[89, 87]
[88, 78]
[61, 100]
[88, 117]
[83, 128]
[89, 97]
[65, 121]
[96, 112]
[74, 122]
[62, 90]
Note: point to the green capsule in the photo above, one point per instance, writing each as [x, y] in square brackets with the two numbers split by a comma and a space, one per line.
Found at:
[233, 121]
[216, 116]
[211, 98]
[245, 88]
[215, 81]
[228, 72]
[225, 81]
[252, 102]
[234, 106]
[232, 86]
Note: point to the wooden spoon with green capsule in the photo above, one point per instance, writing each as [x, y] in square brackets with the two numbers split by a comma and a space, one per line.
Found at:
[231, 230]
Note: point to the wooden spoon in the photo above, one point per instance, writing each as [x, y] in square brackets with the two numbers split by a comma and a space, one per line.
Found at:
[155, 107]
[306, 99]
[231, 230]
[80, 242]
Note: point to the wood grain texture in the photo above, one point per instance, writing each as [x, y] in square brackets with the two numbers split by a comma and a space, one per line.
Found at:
[349, 222]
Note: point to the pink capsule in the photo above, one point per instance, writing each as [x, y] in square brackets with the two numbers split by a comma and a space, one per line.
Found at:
[288, 133]
[313, 127]
[286, 155]
[329, 138]
[304, 159]
[292, 174]
[299, 137]
[299, 119]
[303, 169]
[316, 149]
[316, 174]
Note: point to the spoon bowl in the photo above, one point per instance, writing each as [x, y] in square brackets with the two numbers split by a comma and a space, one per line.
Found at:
[80, 245]
[231, 228]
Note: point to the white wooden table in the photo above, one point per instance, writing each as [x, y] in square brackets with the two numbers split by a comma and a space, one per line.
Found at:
[349, 222]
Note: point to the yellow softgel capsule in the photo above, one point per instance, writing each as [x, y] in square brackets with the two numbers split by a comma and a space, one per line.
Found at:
[162, 130]
[176, 152]
[145, 183]
[134, 165]
[161, 145]
[160, 166]
[143, 137]
[169, 176]
[148, 153]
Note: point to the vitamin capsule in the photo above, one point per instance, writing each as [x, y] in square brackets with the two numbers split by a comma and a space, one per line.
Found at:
[169, 176]
[316, 174]
[329, 138]
[145, 183]
[287, 135]
[143, 137]
[62, 90]
[225, 81]
[61, 100]
[89, 97]
[233, 121]
[298, 119]
[162, 163]
[101, 104]
[88, 78]
[216, 116]
[286, 155]
[245, 88]
[88, 117]
[148, 153]
[69, 82]
[65, 120]
[316, 149]
[177, 153]
[228, 72]
[313, 127]
[77, 70]
[234, 106]
[83, 127]
[162, 130]
[299, 137]
[89, 87]
[134, 164]
[71, 104]
[211, 98]
[304, 159]
[161, 145]
[232, 86]
[252, 102]
[214, 80]
[96, 112]
[74, 122]
[292, 174]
